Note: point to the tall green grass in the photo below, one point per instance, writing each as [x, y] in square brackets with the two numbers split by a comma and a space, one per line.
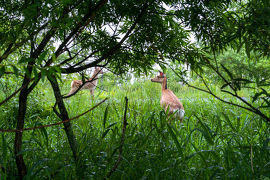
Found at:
[215, 140]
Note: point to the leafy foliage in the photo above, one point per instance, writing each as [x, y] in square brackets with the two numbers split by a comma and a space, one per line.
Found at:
[42, 40]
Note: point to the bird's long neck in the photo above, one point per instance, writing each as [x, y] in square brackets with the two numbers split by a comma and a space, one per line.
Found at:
[164, 83]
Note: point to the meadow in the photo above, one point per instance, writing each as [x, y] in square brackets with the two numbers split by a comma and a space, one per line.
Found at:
[215, 140]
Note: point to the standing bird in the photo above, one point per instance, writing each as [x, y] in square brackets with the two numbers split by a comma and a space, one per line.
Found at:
[169, 99]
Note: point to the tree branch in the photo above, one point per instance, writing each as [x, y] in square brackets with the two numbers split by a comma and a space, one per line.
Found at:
[113, 50]
[87, 18]
[19, 44]
[12, 95]
[250, 108]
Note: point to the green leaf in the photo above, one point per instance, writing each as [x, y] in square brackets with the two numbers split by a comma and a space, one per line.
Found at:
[107, 130]
[174, 137]
[25, 60]
[240, 46]
[247, 47]
[227, 71]
[224, 85]
[15, 70]
[44, 73]
[43, 132]
[206, 132]
[243, 80]
[105, 133]
[2, 71]
[42, 56]
[229, 122]
[111, 125]
[105, 116]
[35, 73]
[33, 171]
[257, 95]
[265, 144]
[27, 72]
[53, 57]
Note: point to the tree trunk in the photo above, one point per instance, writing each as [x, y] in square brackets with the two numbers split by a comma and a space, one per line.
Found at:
[22, 171]
[64, 116]
[18, 136]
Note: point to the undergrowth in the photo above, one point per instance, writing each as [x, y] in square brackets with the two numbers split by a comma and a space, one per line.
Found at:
[215, 140]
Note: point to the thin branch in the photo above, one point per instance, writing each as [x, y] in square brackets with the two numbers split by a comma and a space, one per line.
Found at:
[33, 85]
[19, 44]
[85, 58]
[5, 54]
[12, 95]
[255, 110]
[69, 59]
[250, 108]
[114, 49]
[91, 15]
[211, 93]
[87, 18]
[24, 86]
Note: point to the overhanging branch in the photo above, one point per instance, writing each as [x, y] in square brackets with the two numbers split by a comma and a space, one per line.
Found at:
[113, 50]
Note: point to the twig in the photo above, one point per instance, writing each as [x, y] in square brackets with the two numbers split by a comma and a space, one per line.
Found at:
[120, 157]
[54, 124]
